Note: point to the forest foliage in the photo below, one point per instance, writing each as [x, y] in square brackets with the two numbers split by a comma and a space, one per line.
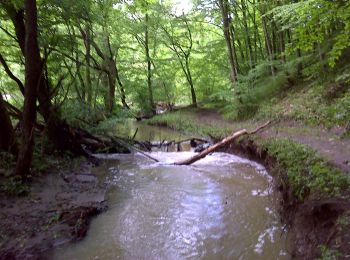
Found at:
[98, 59]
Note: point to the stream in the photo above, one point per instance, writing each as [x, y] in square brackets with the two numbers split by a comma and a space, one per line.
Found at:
[220, 207]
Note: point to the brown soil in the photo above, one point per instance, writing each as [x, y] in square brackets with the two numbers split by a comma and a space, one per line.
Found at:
[56, 211]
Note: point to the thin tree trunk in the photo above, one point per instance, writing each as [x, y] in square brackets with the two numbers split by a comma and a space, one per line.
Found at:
[300, 64]
[282, 46]
[122, 89]
[235, 59]
[190, 81]
[88, 58]
[112, 84]
[223, 4]
[149, 68]
[268, 45]
[33, 71]
[247, 34]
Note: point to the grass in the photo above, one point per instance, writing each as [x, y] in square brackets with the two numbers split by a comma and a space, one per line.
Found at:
[307, 172]
[317, 102]
[310, 105]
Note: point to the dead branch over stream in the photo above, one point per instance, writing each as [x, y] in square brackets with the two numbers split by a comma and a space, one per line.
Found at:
[220, 144]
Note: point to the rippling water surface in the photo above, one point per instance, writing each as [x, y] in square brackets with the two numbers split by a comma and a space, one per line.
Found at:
[218, 208]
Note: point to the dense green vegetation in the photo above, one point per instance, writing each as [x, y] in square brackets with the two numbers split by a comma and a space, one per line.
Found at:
[307, 172]
[71, 69]
[91, 63]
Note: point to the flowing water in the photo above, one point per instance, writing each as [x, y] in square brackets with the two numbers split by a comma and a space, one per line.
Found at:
[218, 208]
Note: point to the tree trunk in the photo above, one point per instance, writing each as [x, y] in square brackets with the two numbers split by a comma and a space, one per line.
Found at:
[190, 81]
[235, 59]
[7, 134]
[268, 45]
[59, 132]
[121, 86]
[149, 68]
[33, 71]
[226, 23]
[88, 58]
[111, 82]
[247, 34]
[300, 64]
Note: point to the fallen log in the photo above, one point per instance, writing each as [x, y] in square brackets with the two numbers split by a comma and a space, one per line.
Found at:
[219, 145]
[138, 150]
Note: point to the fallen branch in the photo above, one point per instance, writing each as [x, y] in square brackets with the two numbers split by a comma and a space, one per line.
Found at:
[220, 144]
[138, 150]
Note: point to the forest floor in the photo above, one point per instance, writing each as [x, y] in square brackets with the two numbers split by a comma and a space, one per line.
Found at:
[56, 211]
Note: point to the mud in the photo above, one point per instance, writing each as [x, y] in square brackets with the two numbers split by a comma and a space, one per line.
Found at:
[57, 210]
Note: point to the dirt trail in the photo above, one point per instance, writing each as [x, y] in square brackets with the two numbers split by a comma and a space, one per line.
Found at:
[328, 143]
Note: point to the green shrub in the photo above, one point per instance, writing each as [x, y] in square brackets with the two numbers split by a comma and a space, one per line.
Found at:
[307, 172]
[14, 186]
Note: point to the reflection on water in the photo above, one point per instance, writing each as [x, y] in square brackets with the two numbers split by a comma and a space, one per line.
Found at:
[147, 132]
[218, 208]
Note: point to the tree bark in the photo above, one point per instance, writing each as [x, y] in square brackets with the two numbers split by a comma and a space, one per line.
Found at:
[268, 45]
[59, 132]
[190, 81]
[33, 71]
[149, 67]
[223, 4]
[247, 34]
[111, 83]
[88, 58]
[122, 89]
[10, 74]
[7, 134]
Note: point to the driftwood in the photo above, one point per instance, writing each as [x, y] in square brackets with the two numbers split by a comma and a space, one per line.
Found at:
[219, 145]
[132, 147]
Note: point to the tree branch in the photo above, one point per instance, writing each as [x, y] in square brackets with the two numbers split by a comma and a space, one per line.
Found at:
[11, 75]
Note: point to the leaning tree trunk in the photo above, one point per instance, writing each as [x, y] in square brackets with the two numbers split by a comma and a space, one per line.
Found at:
[121, 86]
[190, 81]
[7, 134]
[33, 71]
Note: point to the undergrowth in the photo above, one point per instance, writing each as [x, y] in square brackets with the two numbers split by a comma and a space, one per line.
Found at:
[307, 172]
[185, 121]
[310, 105]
